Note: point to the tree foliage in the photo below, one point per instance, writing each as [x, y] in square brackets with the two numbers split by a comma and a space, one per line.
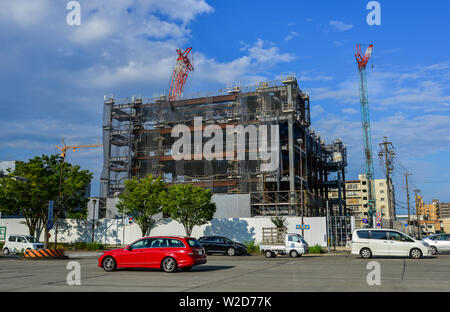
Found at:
[27, 189]
[189, 205]
[279, 222]
[142, 199]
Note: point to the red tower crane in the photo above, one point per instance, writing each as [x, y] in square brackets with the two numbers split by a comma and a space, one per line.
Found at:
[180, 73]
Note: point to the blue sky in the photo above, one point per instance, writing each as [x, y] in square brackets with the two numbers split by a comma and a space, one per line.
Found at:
[53, 76]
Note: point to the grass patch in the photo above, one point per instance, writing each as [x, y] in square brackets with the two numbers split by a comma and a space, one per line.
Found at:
[251, 247]
[316, 249]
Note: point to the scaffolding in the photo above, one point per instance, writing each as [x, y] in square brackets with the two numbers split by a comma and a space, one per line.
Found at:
[138, 141]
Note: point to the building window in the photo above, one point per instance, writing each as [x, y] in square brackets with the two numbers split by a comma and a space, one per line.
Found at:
[381, 191]
[382, 198]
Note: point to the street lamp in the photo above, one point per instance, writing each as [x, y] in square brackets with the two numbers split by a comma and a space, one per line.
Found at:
[94, 201]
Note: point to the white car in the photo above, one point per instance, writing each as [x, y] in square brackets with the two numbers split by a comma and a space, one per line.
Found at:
[20, 243]
[438, 243]
[387, 242]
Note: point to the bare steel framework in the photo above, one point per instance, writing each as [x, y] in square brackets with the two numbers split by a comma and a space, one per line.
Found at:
[138, 142]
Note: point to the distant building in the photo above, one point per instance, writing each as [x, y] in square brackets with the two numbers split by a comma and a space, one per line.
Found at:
[444, 210]
[427, 211]
[357, 198]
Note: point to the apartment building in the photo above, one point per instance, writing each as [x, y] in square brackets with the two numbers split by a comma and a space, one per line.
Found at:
[357, 198]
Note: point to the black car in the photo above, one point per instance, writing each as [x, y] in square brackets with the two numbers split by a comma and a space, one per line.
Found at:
[222, 244]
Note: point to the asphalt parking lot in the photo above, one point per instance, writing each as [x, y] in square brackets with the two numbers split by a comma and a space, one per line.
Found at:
[234, 274]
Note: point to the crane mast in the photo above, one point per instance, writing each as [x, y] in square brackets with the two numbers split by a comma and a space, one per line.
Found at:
[362, 61]
[180, 73]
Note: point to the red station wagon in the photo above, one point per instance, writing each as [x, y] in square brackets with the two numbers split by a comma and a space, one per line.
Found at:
[164, 252]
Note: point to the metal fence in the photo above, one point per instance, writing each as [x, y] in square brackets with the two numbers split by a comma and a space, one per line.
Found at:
[339, 230]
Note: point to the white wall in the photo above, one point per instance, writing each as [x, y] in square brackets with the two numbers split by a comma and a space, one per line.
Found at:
[111, 231]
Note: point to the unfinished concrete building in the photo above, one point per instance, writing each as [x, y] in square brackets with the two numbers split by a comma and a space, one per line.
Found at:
[138, 141]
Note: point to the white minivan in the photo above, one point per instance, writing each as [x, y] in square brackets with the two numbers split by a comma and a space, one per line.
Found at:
[20, 243]
[387, 242]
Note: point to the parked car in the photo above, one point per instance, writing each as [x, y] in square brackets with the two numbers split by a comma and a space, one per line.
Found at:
[278, 242]
[438, 243]
[220, 244]
[387, 242]
[19, 243]
[168, 253]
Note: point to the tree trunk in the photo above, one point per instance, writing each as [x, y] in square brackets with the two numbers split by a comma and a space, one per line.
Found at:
[45, 236]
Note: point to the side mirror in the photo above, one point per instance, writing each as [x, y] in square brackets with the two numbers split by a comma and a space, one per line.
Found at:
[128, 248]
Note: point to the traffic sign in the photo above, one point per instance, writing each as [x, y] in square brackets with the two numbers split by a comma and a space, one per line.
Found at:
[2, 232]
[365, 221]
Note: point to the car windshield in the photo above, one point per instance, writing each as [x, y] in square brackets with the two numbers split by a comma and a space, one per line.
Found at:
[301, 239]
[31, 239]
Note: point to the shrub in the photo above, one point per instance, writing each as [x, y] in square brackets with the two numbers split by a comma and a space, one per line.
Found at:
[251, 247]
[316, 249]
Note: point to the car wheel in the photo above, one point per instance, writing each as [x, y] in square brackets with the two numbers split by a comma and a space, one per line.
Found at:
[6, 251]
[268, 254]
[365, 253]
[231, 251]
[293, 254]
[109, 264]
[169, 265]
[434, 250]
[415, 253]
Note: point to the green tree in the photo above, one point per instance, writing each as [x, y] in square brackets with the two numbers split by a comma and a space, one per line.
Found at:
[189, 205]
[279, 222]
[142, 199]
[27, 189]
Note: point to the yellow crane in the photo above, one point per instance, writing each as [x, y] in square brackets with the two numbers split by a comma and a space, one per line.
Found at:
[65, 147]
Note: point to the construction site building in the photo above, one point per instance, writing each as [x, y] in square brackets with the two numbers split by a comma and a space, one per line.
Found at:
[138, 141]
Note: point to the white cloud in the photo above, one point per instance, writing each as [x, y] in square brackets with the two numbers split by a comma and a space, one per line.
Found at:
[264, 55]
[340, 26]
[291, 36]
[350, 111]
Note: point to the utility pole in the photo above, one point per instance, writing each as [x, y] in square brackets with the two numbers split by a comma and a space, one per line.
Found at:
[407, 200]
[416, 193]
[387, 151]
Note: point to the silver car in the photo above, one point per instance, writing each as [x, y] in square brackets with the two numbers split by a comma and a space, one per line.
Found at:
[438, 243]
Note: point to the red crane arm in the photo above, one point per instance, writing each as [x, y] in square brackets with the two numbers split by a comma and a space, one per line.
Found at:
[180, 73]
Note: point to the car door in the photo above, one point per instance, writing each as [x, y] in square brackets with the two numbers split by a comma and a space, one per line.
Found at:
[398, 244]
[21, 243]
[379, 243]
[208, 244]
[12, 243]
[134, 256]
[157, 252]
[221, 245]
[444, 242]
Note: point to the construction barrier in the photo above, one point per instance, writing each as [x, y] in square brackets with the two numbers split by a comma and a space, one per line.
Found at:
[44, 253]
